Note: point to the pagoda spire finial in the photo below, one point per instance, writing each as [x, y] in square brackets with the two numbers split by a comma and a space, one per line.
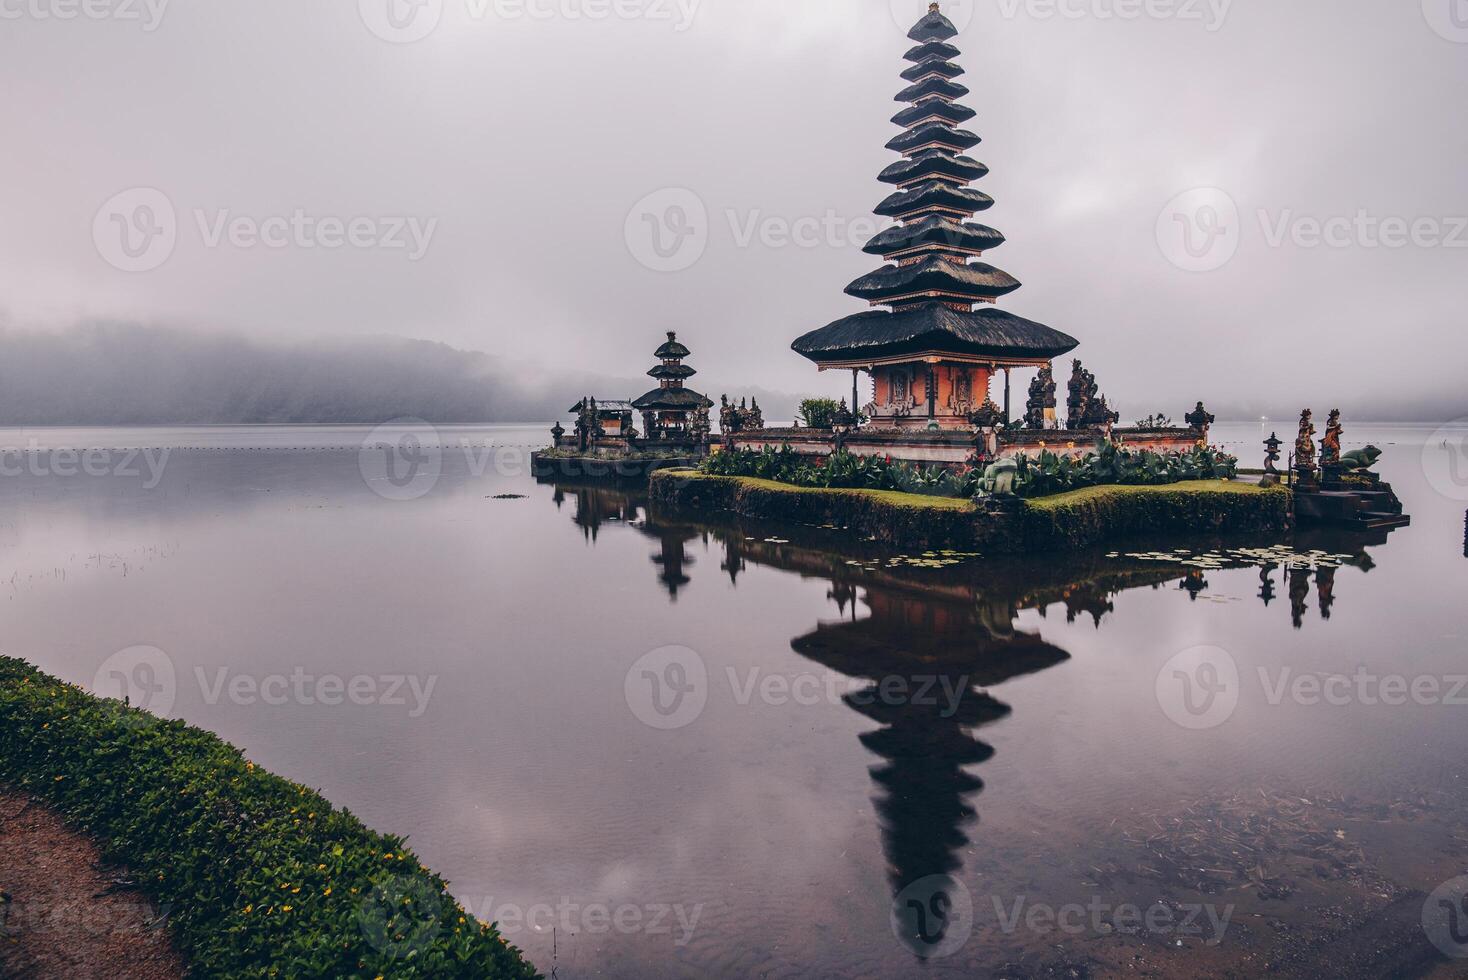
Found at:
[933, 7]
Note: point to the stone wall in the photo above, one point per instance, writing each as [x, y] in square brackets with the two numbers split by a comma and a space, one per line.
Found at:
[954, 447]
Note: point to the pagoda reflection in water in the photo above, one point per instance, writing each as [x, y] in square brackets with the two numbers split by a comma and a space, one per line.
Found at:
[941, 639]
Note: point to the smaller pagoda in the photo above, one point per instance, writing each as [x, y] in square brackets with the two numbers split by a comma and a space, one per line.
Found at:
[671, 411]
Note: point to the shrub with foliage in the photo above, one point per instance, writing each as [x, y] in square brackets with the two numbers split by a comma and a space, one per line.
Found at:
[260, 877]
[1040, 476]
[1112, 465]
[817, 413]
[843, 471]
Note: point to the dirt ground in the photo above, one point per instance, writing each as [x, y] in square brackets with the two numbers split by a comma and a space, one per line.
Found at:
[65, 915]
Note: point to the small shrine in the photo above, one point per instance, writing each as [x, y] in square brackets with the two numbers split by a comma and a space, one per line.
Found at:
[932, 354]
[671, 410]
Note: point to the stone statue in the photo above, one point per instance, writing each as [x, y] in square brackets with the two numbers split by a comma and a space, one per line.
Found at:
[1086, 406]
[1330, 446]
[1305, 444]
[558, 432]
[1000, 478]
[1200, 420]
[1271, 453]
[1360, 460]
[1042, 399]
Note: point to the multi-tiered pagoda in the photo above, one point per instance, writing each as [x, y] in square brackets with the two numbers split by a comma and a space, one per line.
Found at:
[670, 410]
[934, 351]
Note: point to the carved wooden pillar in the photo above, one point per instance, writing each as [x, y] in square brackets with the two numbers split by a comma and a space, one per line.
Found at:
[1007, 416]
[932, 391]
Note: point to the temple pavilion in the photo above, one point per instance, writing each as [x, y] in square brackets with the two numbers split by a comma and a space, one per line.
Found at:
[934, 350]
[672, 411]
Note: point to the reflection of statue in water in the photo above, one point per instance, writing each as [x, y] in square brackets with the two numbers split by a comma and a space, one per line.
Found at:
[1299, 595]
[1266, 585]
[1325, 588]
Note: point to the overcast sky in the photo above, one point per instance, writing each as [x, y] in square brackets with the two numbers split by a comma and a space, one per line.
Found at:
[517, 158]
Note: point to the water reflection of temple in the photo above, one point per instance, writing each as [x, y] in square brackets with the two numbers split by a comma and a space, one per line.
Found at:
[597, 506]
[939, 640]
[925, 663]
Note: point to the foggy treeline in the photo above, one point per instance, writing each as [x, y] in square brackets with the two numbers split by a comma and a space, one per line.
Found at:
[129, 374]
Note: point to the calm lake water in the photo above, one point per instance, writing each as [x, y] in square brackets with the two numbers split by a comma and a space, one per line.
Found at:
[650, 747]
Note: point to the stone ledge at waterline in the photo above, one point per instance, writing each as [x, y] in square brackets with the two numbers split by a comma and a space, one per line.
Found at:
[1065, 521]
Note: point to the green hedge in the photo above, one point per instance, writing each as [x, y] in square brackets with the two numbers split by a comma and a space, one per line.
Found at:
[261, 877]
[903, 519]
[1063, 522]
[1086, 517]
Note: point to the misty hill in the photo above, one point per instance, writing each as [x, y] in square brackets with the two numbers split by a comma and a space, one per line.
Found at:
[131, 374]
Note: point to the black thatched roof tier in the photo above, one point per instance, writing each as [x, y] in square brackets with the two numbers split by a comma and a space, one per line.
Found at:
[934, 163]
[934, 110]
[603, 406]
[941, 67]
[928, 135]
[936, 328]
[940, 87]
[932, 49]
[934, 194]
[672, 350]
[934, 27]
[934, 230]
[673, 399]
[677, 371]
[978, 281]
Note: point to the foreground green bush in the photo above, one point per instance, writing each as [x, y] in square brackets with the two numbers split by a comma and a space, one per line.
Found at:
[259, 877]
